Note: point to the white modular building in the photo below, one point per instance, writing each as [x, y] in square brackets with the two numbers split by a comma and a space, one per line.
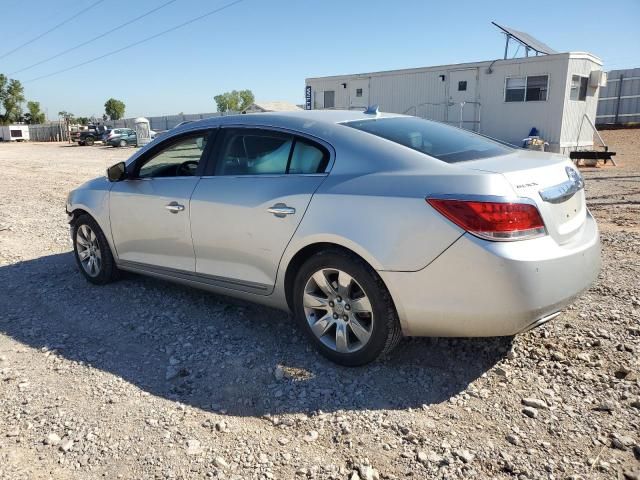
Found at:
[14, 133]
[557, 94]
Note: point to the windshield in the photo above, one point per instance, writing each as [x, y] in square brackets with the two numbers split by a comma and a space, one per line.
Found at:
[437, 140]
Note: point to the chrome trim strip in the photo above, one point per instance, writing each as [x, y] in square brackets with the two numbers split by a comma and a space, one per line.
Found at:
[212, 280]
[481, 198]
[565, 190]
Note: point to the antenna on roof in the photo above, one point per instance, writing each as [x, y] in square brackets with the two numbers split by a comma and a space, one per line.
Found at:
[524, 39]
[372, 110]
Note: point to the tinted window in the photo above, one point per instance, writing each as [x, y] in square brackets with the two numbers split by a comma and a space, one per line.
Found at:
[445, 143]
[180, 159]
[308, 158]
[251, 153]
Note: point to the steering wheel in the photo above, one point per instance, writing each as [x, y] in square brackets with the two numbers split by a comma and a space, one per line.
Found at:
[187, 169]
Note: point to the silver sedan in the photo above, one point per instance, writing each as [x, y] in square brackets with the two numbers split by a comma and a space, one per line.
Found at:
[366, 226]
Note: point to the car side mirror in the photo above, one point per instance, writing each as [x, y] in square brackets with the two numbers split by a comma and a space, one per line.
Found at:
[117, 172]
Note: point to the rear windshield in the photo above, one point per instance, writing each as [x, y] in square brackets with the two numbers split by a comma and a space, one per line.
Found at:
[441, 141]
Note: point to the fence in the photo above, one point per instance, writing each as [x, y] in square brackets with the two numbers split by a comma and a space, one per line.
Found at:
[619, 101]
[166, 122]
[49, 132]
[57, 131]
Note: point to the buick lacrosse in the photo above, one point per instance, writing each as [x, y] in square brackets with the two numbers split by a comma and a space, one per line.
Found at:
[366, 226]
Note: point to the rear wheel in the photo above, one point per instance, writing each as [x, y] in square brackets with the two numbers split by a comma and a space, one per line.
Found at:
[92, 251]
[345, 308]
[89, 141]
[123, 143]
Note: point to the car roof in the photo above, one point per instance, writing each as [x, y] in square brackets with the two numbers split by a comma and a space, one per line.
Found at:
[310, 121]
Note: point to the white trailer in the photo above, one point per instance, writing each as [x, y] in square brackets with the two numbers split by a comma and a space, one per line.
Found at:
[557, 94]
[14, 133]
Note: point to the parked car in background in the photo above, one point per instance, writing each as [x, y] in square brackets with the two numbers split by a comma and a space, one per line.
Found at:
[366, 226]
[88, 137]
[121, 137]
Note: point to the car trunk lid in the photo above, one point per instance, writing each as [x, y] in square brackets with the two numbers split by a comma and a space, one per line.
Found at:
[551, 181]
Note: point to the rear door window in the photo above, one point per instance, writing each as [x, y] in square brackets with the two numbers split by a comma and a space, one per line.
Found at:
[437, 140]
[254, 152]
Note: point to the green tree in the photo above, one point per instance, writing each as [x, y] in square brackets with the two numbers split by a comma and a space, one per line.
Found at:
[114, 109]
[82, 120]
[67, 116]
[34, 115]
[234, 101]
[12, 97]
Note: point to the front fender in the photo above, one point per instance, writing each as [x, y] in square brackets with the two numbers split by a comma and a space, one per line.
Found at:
[93, 198]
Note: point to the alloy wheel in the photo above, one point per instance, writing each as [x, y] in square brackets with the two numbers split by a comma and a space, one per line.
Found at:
[338, 310]
[88, 250]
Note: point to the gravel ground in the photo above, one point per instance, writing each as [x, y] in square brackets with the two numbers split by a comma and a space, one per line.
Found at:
[146, 379]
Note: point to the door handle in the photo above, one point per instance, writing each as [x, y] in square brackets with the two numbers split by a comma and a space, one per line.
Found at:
[174, 207]
[281, 210]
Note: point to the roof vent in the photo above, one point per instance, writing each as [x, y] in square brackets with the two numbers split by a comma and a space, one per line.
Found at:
[372, 110]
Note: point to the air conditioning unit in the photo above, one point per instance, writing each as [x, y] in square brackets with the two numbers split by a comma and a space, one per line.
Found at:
[598, 78]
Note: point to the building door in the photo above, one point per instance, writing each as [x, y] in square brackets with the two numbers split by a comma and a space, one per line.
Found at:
[359, 93]
[463, 90]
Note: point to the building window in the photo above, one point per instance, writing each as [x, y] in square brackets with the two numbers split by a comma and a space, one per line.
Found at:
[579, 88]
[537, 88]
[462, 86]
[526, 89]
[329, 99]
[358, 92]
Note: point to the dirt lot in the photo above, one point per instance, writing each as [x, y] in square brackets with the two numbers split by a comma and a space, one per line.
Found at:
[146, 379]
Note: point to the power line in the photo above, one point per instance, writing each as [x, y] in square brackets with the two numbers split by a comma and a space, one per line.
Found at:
[113, 52]
[94, 38]
[51, 29]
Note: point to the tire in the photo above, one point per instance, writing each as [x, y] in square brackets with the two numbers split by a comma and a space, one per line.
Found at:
[89, 141]
[87, 240]
[351, 331]
[123, 143]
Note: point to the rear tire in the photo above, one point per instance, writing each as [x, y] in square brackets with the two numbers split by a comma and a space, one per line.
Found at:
[89, 141]
[92, 252]
[123, 143]
[350, 318]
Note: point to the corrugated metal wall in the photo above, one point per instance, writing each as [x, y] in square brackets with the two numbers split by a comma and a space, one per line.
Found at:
[620, 100]
[512, 121]
[573, 121]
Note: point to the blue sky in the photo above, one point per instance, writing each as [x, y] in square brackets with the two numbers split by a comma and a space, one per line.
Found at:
[271, 46]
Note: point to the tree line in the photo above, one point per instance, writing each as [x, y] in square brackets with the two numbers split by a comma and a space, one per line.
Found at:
[12, 100]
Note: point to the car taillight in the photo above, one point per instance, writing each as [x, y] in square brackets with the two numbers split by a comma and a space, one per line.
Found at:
[492, 220]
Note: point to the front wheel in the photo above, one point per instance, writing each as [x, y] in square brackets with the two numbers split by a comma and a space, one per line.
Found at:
[345, 308]
[89, 141]
[92, 251]
[123, 143]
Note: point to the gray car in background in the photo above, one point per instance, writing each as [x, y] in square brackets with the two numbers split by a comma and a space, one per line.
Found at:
[366, 226]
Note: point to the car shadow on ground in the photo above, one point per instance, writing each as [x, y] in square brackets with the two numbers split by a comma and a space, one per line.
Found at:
[218, 354]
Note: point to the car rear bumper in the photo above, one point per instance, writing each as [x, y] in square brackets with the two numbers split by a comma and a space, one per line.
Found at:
[478, 288]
